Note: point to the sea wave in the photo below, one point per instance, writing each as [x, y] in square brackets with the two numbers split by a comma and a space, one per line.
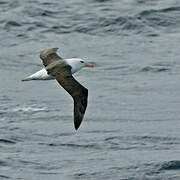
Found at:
[148, 22]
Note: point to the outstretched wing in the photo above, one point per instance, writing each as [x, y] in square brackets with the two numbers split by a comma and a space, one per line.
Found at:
[49, 56]
[58, 68]
[79, 94]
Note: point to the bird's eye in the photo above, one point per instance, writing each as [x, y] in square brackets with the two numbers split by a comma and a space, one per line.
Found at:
[82, 61]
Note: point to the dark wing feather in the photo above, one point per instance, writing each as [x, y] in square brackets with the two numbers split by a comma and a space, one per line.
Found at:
[62, 72]
[49, 56]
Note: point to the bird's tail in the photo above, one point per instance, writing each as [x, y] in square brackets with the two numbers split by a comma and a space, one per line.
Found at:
[27, 79]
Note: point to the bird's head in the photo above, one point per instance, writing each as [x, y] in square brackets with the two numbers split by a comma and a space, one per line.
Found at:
[77, 64]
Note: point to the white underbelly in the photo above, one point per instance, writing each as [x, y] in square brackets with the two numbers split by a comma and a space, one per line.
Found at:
[39, 75]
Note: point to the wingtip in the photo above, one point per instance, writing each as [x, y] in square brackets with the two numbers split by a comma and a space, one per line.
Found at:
[77, 125]
[56, 48]
[26, 79]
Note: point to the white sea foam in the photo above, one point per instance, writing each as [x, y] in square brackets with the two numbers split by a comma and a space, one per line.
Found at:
[28, 108]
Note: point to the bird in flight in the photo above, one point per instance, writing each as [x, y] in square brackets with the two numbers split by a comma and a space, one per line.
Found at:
[62, 70]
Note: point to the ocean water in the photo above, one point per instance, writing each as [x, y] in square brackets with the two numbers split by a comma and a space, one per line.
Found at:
[131, 129]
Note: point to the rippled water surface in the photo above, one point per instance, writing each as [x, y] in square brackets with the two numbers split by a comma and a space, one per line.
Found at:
[131, 129]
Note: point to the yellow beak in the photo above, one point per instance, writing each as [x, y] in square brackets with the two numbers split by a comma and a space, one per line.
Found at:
[89, 65]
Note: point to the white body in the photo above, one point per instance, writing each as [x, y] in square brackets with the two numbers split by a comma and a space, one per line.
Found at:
[39, 75]
[75, 63]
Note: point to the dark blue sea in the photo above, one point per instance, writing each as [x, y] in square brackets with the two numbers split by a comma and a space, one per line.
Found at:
[131, 129]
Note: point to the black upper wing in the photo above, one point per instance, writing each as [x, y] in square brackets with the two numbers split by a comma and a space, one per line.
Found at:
[49, 56]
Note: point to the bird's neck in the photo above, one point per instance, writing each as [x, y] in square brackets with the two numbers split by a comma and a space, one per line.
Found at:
[74, 64]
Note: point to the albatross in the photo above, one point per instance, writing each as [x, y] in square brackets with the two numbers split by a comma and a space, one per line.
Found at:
[62, 70]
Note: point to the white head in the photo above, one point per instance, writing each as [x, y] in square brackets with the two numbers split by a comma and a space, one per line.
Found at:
[77, 64]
